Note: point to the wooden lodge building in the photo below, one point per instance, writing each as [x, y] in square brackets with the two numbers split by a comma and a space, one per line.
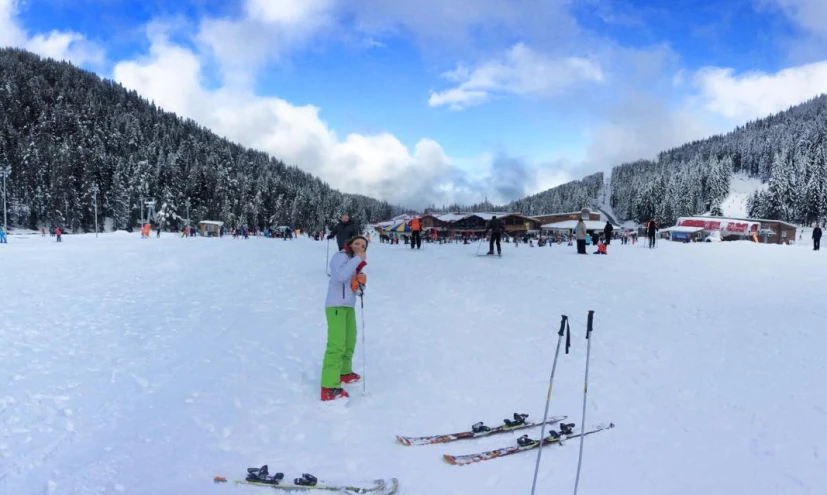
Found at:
[562, 217]
[475, 223]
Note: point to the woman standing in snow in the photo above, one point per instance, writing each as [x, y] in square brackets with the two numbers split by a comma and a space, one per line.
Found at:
[580, 236]
[345, 278]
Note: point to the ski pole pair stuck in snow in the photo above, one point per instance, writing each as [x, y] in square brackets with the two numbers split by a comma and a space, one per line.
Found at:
[564, 328]
[566, 430]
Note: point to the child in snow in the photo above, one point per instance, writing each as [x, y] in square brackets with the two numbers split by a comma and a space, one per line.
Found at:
[3, 236]
[346, 277]
[601, 247]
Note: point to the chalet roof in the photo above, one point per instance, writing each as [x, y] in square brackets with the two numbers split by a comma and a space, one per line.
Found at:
[565, 213]
[571, 224]
[451, 217]
[766, 220]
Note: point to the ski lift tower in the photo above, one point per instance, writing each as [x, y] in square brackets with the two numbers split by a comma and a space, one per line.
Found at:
[150, 210]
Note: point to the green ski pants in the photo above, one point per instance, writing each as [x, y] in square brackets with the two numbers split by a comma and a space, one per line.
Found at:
[341, 342]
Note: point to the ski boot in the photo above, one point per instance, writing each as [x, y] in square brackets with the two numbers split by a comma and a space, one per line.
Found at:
[329, 394]
[479, 428]
[524, 441]
[519, 419]
[306, 480]
[350, 378]
[262, 475]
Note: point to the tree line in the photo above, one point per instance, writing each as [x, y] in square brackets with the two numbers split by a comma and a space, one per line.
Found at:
[71, 137]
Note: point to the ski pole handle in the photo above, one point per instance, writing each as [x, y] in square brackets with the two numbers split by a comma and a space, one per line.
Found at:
[590, 324]
[562, 325]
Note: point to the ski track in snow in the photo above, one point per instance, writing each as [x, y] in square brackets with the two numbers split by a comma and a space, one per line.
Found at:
[150, 366]
[741, 188]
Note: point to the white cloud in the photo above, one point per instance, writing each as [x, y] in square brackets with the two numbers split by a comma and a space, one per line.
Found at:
[810, 15]
[378, 165]
[522, 71]
[59, 45]
[265, 32]
[11, 34]
[447, 26]
[758, 94]
[67, 46]
[641, 127]
[287, 12]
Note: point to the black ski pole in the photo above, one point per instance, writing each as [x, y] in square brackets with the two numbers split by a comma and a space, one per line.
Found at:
[564, 327]
[589, 329]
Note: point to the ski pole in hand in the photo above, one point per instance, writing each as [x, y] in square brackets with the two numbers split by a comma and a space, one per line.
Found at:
[589, 329]
[364, 365]
[327, 259]
[479, 246]
[564, 328]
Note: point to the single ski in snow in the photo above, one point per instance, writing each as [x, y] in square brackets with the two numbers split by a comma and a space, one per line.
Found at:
[308, 482]
[478, 430]
[523, 444]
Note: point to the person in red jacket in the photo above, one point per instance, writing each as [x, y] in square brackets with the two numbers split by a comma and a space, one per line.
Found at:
[416, 232]
[57, 233]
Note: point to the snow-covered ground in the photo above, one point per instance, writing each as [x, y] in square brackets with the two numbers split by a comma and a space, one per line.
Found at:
[741, 188]
[150, 366]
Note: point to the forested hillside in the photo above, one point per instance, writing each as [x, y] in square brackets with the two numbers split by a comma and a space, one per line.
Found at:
[571, 196]
[786, 150]
[65, 132]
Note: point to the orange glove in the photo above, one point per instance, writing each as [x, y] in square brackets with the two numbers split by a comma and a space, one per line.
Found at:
[355, 282]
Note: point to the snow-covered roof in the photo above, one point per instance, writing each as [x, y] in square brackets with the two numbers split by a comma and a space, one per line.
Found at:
[564, 213]
[687, 230]
[212, 222]
[455, 217]
[451, 217]
[571, 224]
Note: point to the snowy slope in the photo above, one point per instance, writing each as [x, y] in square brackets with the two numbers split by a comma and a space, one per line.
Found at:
[740, 189]
[148, 367]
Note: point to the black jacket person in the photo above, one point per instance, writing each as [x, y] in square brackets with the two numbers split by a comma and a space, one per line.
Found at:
[343, 231]
[817, 238]
[608, 232]
[495, 225]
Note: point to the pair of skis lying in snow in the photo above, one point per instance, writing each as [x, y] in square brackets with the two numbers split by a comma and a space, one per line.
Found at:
[523, 443]
[308, 483]
[261, 476]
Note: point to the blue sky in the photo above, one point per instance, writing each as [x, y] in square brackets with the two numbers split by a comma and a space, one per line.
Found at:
[422, 102]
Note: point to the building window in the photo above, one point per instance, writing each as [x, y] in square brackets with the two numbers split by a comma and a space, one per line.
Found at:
[783, 234]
